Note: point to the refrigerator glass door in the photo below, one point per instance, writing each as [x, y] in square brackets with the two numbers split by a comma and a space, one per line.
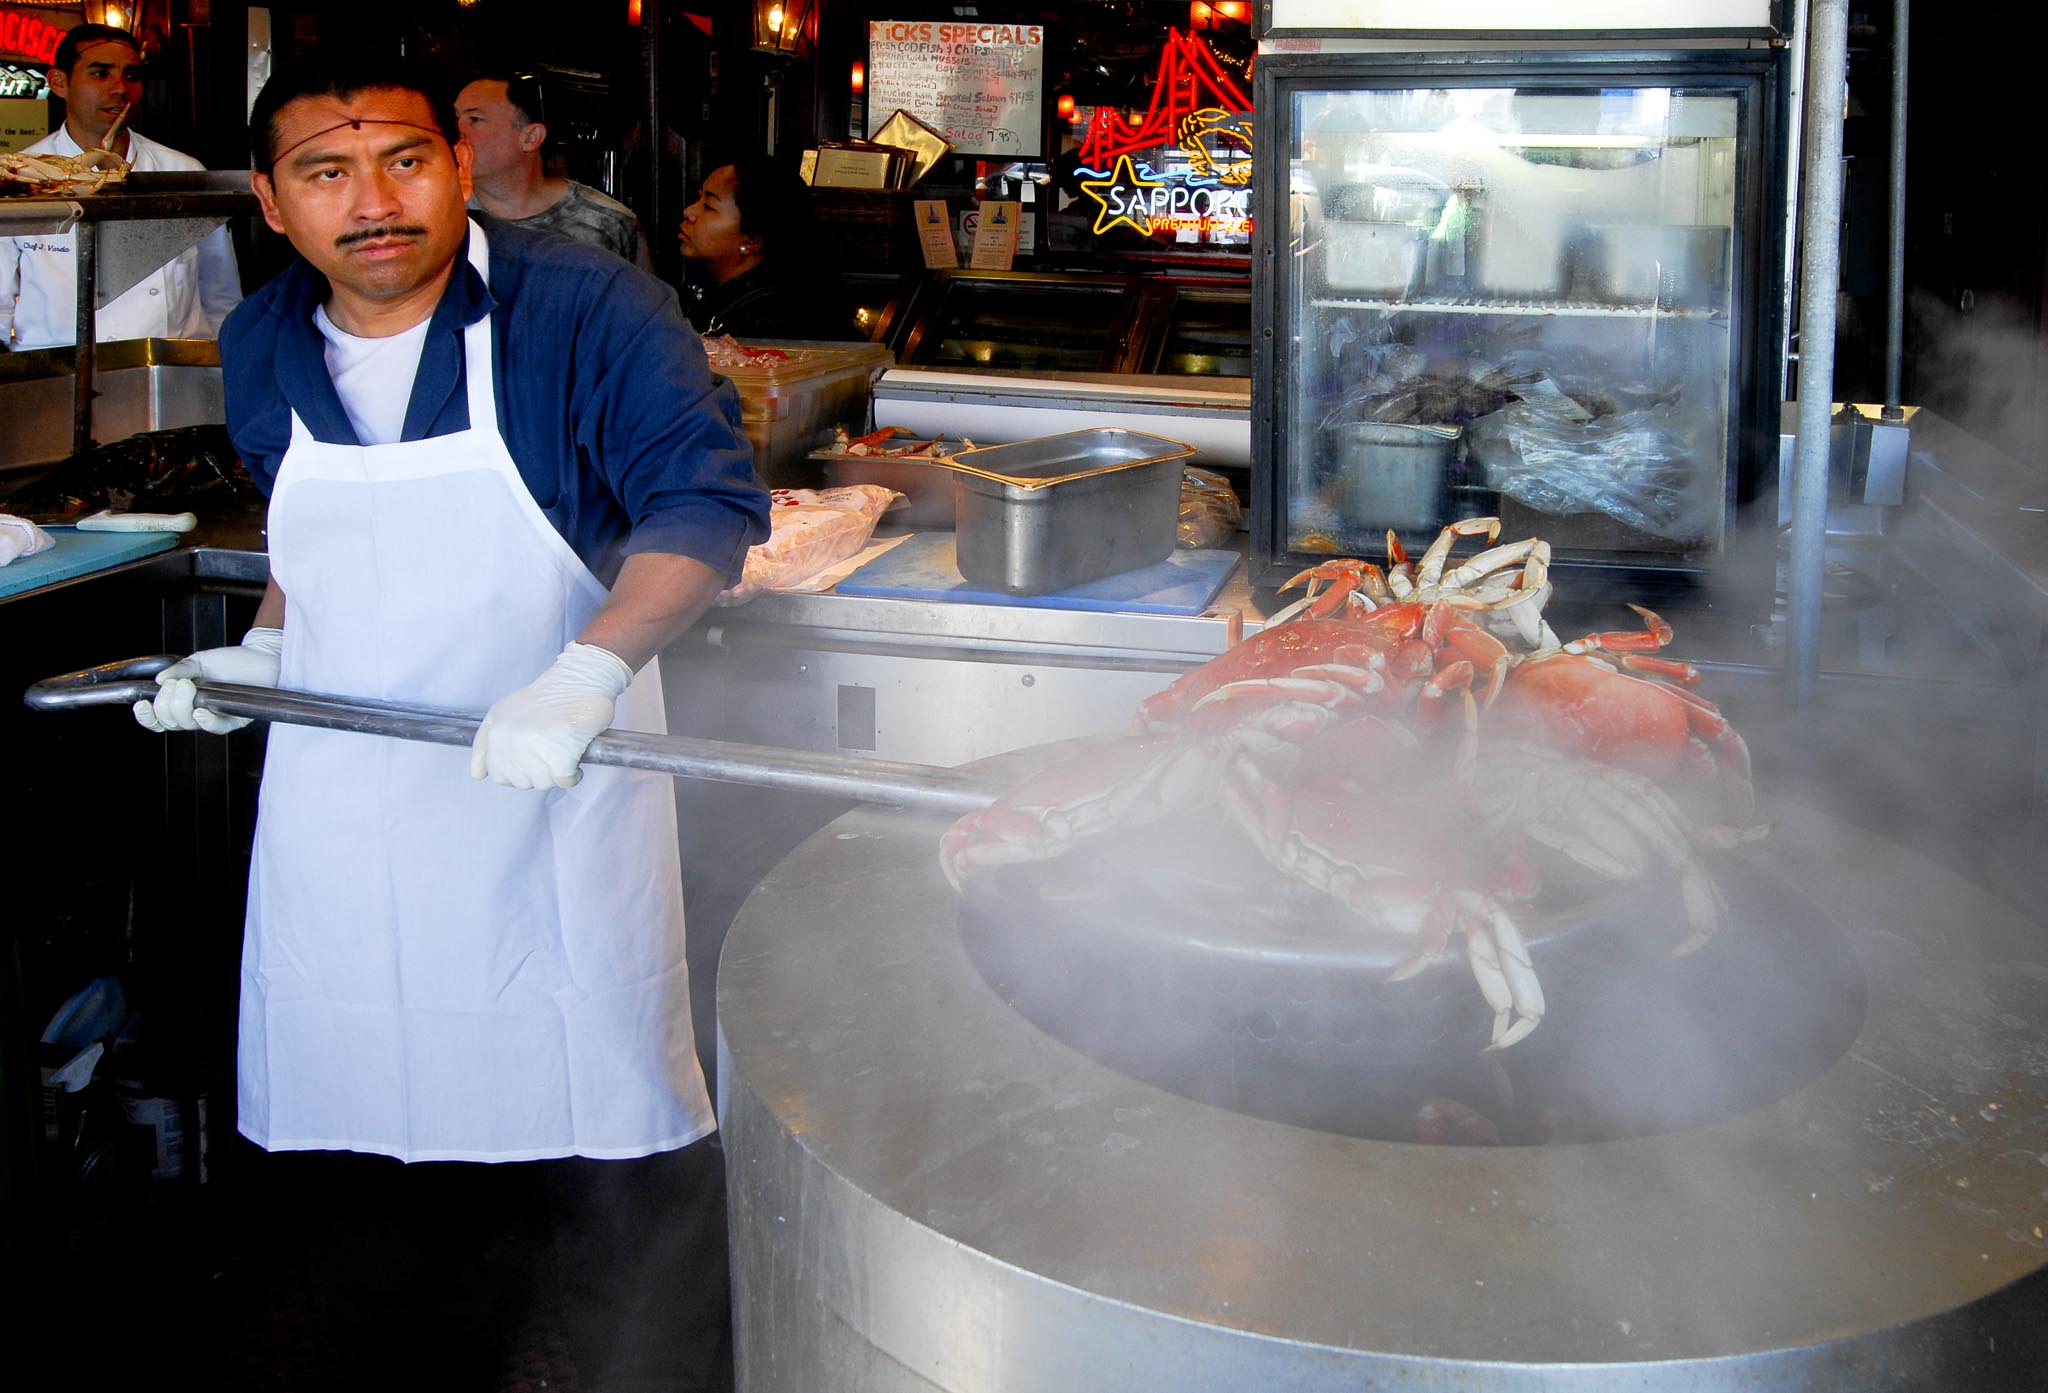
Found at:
[1512, 301]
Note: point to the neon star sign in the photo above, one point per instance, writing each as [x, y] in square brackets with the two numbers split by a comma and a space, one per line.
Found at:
[1122, 198]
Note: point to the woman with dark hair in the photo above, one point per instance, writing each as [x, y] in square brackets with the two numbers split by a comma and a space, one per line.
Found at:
[746, 240]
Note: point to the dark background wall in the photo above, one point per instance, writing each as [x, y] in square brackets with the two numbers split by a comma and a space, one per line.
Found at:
[1977, 206]
[1976, 219]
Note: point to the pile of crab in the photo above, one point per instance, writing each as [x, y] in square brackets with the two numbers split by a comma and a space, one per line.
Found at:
[89, 171]
[1320, 739]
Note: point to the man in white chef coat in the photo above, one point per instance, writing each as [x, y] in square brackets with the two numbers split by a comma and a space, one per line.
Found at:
[97, 70]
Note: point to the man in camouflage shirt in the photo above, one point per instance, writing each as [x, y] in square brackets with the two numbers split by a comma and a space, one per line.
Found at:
[500, 119]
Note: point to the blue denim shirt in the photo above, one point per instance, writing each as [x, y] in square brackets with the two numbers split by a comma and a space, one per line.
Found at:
[627, 439]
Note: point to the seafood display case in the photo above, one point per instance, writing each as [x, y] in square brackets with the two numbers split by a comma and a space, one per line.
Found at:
[1018, 321]
[1530, 285]
[1000, 356]
[1038, 322]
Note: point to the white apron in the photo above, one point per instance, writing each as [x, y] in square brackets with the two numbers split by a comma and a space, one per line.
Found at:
[435, 967]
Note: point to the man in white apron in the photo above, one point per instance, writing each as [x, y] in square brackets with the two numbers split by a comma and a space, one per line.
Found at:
[476, 956]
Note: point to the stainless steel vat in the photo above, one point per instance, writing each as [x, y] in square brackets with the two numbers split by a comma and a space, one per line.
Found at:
[1512, 257]
[1373, 258]
[141, 385]
[930, 1193]
[1392, 475]
[1041, 515]
[1643, 264]
[928, 483]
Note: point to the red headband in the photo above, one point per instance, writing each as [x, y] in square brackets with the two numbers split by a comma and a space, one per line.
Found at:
[355, 123]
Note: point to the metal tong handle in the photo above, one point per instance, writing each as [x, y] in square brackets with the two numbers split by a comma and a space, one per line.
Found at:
[923, 787]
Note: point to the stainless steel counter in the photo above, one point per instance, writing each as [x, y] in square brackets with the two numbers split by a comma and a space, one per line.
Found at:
[929, 681]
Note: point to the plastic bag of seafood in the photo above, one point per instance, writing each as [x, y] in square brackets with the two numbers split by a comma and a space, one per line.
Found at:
[1209, 510]
[1562, 452]
[810, 530]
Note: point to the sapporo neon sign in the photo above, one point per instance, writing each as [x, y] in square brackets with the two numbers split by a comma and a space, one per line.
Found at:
[1198, 109]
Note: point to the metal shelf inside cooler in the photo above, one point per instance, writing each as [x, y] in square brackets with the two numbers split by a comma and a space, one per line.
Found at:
[1472, 304]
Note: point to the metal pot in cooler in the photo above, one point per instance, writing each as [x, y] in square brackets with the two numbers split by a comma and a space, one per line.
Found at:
[1392, 475]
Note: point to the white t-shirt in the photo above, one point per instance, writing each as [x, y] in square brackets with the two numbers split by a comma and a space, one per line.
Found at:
[373, 377]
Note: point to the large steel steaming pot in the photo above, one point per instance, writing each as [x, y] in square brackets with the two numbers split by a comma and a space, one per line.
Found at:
[930, 1190]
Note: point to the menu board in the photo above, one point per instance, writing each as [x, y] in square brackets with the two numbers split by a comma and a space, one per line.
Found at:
[981, 85]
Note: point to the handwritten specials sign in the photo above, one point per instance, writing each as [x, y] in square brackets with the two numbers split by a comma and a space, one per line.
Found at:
[981, 85]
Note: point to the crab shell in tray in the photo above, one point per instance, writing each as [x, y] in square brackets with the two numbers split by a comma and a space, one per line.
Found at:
[87, 172]
[1415, 749]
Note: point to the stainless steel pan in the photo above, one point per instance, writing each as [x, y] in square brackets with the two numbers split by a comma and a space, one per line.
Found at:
[922, 787]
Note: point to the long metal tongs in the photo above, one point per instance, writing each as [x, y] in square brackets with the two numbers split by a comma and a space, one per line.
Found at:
[922, 787]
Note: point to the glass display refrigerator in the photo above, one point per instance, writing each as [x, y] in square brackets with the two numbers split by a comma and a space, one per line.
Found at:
[1539, 284]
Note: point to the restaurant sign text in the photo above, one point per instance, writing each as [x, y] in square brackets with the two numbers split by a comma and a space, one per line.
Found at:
[29, 37]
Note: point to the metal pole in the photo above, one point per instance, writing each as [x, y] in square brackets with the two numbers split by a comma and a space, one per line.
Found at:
[1795, 101]
[1819, 279]
[1895, 321]
[654, 135]
[85, 239]
[922, 787]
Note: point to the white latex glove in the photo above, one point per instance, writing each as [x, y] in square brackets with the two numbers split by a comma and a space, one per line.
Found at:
[251, 663]
[535, 737]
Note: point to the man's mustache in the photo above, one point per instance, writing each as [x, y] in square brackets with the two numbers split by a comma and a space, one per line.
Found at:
[371, 234]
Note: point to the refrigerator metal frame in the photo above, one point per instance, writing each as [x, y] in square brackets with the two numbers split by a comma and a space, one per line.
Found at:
[1676, 27]
[1755, 75]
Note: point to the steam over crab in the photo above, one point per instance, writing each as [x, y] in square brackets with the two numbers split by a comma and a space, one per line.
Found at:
[1415, 746]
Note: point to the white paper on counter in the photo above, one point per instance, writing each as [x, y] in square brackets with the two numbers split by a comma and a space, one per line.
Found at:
[840, 570]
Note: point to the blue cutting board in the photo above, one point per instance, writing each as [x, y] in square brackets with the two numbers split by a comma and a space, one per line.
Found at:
[924, 568]
[80, 554]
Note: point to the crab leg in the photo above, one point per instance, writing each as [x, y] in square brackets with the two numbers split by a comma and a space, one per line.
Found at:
[1485, 563]
[876, 437]
[1430, 571]
[1667, 669]
[1656, 633]
[1500, 965]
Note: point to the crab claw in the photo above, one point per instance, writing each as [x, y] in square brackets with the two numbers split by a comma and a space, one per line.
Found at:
[1337, 586]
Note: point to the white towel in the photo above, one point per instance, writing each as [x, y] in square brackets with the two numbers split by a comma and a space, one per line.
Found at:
[19, 537]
